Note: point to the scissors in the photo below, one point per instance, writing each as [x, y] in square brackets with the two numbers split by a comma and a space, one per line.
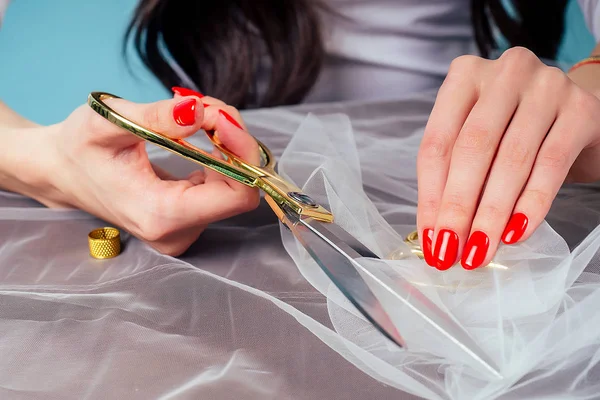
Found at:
[335, 251]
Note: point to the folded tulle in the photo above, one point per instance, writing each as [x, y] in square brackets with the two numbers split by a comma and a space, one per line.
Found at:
[536, 318]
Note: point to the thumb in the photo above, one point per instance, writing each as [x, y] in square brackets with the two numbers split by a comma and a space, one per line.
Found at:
[176, 118]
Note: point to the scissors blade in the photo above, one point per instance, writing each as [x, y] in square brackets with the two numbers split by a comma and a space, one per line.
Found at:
[337, 252]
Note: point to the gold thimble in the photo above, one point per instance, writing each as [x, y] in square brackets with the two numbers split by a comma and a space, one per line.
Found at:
[104, 242]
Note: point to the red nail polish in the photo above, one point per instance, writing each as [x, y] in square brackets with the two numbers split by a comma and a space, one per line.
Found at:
[205, 105]
[186, 92]
[446, 249]
[230, 119]
[427, 244]
[184, 112]
[515, 228]
[475, 250]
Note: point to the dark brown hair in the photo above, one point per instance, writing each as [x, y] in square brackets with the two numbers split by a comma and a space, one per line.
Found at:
[535, 24]
[224, 46]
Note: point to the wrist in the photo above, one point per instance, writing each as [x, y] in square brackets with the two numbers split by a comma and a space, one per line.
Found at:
[586, 74]
[29, 164]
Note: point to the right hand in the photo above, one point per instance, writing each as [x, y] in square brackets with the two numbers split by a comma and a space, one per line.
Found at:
[103, 169]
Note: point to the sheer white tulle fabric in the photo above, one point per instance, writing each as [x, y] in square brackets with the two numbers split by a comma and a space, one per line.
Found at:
[237, 318]
[538, 319]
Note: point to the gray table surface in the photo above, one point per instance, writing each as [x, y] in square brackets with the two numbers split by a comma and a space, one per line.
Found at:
[144, 325]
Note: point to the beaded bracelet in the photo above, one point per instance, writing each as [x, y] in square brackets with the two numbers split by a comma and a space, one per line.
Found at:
[585, 61]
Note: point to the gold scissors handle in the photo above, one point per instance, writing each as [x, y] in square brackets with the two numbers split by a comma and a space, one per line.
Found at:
[281, 193]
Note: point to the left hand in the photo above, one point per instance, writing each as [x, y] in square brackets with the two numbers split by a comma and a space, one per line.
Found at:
[502, 138]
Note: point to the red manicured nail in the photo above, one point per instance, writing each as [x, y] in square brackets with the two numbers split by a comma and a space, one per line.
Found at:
[475, 250]
[186, 92]
[427, 244]
[230, 119]
[515, 228]
[205, 105]
[184, 112]
[446, 249]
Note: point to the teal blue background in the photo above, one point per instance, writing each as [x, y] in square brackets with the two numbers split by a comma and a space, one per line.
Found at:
[53, 53]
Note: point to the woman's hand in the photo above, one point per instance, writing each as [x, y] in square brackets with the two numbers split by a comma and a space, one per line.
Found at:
[103, 169]
[502, 138]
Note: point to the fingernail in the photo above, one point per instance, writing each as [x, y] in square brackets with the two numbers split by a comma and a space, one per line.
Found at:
[230, 119]
[186, 92]
[205, 105]
[446, 249]
[184, 112]
[475, 250]
[515, 228]
[427, 250]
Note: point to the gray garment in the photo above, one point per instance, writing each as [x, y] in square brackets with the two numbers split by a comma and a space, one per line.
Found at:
[591, 14]
[382, 49]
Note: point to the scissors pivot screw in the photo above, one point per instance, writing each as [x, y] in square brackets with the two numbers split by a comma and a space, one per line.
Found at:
[303, 199]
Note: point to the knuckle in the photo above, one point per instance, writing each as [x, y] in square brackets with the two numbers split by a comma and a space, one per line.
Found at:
[455, 208]
[234, 113]
[540, 199]
[514, 63]
[429, 205]
[463, 65]
[551, 78]
[213, 101]
[491, 212]
[550, 85]
[231, 110]
[516, 156]
[435, 145]
[520, 56]
[555, 157]
[475, 138]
